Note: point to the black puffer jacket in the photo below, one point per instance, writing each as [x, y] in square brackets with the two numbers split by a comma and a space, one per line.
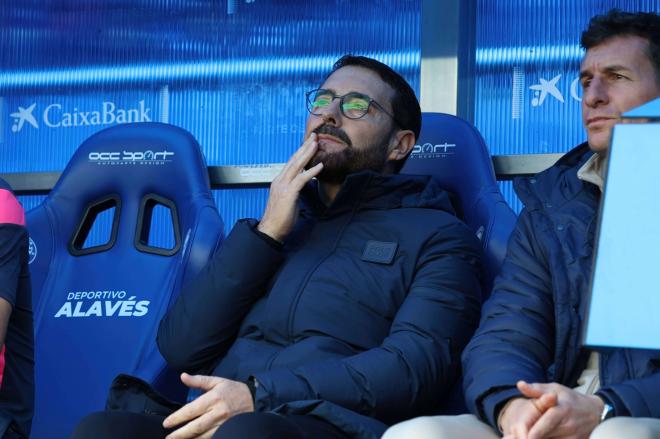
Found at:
[362, 315]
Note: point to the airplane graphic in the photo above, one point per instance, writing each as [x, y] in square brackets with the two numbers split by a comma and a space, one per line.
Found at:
[24, 115]
[544, 89]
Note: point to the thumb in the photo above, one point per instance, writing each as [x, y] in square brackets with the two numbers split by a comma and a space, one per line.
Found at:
[530, 390]
[202, 382]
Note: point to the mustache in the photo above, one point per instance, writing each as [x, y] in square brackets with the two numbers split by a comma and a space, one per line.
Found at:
[333, 131]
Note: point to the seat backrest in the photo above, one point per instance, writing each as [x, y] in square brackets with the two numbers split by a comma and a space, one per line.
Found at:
[455, 154]
[129, 221]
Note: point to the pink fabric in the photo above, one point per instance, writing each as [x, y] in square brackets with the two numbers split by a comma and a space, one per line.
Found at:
[11, 211]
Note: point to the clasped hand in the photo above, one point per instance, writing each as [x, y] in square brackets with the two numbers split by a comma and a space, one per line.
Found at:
[550, 411]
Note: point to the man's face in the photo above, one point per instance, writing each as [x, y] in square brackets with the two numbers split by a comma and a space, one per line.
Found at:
[352, 145]
[616, 76]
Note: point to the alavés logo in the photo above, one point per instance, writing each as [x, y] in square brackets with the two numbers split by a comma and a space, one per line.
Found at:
[108, 303]
[147, 157]
[56, 116]
[430, 150]
[32, 251]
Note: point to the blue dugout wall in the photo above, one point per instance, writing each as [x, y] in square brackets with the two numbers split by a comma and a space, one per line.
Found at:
[234, 72]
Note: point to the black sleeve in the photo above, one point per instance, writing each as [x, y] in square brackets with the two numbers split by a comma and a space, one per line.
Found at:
[515, 337]
[205, 319]
[13, 247]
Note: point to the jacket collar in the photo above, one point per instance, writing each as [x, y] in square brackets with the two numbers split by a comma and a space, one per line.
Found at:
[559, 183]
[371, 190]
[593, 170]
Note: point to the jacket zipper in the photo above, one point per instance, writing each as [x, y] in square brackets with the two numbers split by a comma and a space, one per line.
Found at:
[296, 300]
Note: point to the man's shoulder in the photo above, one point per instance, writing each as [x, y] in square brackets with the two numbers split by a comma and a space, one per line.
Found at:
[558, 182]
[432, 211]
[439, 227]
[570, 161]
[11, 210]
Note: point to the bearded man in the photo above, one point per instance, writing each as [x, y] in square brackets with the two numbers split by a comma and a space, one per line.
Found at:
[345, 309]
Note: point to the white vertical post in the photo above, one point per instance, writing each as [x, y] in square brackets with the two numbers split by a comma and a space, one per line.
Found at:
[439, 66]
[165, 104]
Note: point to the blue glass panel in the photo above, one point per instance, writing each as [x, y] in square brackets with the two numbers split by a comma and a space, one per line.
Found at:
[232, 72]
[527, 98]
[240, 203]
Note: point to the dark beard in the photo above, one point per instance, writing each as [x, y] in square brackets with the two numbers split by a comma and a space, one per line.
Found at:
[338, 165]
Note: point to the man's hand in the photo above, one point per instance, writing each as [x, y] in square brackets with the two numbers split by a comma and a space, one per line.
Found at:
[521, 414]
[222, 399]
[282, 207]
[574, 416]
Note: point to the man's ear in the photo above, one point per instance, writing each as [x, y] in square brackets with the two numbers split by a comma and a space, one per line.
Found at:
[402, 142]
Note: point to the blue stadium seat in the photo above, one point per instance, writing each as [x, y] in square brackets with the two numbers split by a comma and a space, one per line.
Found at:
[455, 154]
[130, 220]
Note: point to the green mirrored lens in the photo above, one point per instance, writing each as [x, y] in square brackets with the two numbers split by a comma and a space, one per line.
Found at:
[355, 105]
[321, 101]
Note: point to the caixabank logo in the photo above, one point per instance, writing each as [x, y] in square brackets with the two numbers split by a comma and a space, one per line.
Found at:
[57, 115]
[550, 87]
[554, 88]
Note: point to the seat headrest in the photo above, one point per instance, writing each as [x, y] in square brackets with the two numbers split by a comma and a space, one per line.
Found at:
[147, 155]
[454, 153]
[130, 166]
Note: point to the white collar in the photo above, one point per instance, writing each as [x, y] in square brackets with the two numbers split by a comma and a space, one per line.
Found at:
[593, 170]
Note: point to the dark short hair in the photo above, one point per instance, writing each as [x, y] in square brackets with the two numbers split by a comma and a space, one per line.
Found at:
[405, 106]
[616, 23]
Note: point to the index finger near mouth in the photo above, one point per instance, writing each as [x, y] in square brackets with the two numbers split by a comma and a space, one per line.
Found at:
[297, 163]
[300, 151]
[305, 146]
